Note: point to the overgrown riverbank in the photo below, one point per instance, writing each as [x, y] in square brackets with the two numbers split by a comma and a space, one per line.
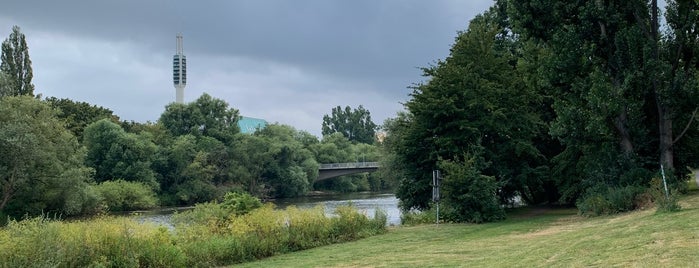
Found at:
[210, 240]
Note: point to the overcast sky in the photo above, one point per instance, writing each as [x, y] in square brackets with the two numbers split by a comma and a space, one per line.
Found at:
[286, 61]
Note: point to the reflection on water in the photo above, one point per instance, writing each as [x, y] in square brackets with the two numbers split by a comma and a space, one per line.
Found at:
[366, 203]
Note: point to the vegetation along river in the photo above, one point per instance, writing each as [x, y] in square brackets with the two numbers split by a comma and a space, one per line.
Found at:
[365, 202]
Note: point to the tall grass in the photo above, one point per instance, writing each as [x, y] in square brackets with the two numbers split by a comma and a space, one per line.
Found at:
[123, 242]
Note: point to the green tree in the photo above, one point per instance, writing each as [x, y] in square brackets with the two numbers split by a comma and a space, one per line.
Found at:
[355, 124]
[41, 163]
[621, 87]
[78, 115]
[474, 101]
[115, 154]
[293, 167]
[206, 116]
[15, 63]
[469, 196]
[5, 85]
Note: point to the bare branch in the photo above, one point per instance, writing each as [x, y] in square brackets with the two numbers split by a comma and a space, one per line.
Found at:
[687, 126]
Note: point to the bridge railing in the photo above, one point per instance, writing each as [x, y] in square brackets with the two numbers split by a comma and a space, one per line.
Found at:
[350, 165]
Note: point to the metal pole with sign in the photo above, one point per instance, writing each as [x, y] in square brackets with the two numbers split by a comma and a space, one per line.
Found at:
[436, 177]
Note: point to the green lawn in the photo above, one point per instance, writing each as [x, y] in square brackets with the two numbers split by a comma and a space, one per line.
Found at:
[530, 238]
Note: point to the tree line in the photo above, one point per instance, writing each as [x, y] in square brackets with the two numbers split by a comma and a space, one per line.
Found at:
[577, 102]
[69, 157]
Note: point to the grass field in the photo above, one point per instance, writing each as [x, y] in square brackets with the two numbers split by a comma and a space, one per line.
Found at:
[531, 237]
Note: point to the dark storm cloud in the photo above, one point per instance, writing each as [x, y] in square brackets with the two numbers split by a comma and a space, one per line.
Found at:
[317, 53]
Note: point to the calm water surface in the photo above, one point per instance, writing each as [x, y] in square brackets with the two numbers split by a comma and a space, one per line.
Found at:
[366, 203]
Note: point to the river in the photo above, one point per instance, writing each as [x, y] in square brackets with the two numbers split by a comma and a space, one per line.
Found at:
[365, 202]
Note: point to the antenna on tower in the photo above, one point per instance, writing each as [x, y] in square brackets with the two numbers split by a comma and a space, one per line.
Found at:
[179, 70]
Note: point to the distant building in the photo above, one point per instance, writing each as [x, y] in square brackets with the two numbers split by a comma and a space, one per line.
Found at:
[249, 125]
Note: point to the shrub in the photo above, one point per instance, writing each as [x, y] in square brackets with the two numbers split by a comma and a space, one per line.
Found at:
[266, 231]
[663, 202]
[240, 203]
[417, 217]
[120, 195]
[603, 200]
[468, 195]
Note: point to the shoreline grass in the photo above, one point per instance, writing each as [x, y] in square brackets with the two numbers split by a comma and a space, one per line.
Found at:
[217, 240]
[529, 238]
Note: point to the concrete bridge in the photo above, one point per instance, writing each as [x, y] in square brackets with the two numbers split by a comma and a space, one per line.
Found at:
[327, 171]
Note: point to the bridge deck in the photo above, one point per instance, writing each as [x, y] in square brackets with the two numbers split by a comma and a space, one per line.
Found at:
[327, 171]
[349, 165]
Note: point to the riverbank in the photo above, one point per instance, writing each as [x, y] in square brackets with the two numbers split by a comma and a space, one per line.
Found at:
[209, 235]
[541, 238]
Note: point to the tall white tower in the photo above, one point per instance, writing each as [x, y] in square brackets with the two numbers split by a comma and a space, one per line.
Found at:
[179, 71]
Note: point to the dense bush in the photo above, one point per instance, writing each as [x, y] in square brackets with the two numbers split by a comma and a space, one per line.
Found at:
[469, 196]
[120, 195]
[664, 202]
[602, 199]
[267, 231]
[417, 217]
[240, 203]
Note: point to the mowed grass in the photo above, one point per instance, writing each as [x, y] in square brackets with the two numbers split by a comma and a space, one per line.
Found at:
[530, 238]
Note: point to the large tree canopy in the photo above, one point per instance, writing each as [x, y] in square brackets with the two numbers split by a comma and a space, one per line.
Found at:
[116, 154]
[41, 163]
[78, 115]
[354, 124]
[554, 101]
[474, 103]
[206, 116]
[15, 63]
[625, 94]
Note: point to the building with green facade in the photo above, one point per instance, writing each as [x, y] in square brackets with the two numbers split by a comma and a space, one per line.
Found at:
[249, 125]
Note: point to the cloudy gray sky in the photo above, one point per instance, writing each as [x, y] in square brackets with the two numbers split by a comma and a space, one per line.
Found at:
[281, 60]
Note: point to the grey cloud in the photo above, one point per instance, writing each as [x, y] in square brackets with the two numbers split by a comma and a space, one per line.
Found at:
[294, 60]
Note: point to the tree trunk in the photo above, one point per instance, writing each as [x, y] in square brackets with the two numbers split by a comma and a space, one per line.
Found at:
[7, 192]
[620, 124]
[665, 142]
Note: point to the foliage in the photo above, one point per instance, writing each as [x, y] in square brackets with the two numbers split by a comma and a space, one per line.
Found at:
[240, 203]
[604, 199]
[419, 217]
[41, 163]
[206, 116]
[475, 100]
[6, 86]
[101, 242]
[120, 195]
[123, 242]
[115, 154]
[79, 115]
[15, 63]
[664, 201]
[354, 124]
[624, 91]
[293, 167]
[216, 237]
[469, 196]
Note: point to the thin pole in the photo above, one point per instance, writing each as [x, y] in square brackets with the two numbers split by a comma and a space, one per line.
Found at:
[662, 171]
